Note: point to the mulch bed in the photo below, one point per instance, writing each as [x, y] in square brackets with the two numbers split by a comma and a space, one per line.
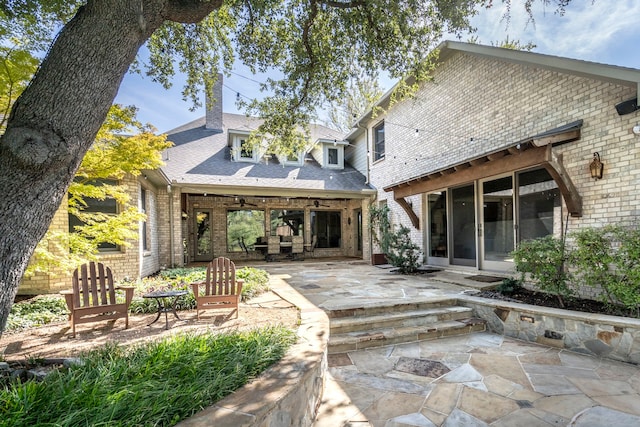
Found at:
[526, 296]
[485, 279]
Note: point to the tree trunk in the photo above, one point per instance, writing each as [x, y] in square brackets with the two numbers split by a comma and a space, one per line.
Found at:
[55, 121]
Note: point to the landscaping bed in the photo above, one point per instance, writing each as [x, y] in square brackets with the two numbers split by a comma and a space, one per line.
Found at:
[527, 296]
[157, 382]
[40, 343]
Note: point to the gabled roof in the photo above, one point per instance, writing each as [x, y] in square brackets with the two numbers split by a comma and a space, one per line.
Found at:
[200, 161]
[609, 73]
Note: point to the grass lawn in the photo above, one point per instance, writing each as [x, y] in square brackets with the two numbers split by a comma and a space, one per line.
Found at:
[158, 383]
[154, 383]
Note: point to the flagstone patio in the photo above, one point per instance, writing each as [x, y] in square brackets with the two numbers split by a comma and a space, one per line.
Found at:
[481, 379]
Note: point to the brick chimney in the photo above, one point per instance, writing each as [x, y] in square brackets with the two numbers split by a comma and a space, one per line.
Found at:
[214, 108]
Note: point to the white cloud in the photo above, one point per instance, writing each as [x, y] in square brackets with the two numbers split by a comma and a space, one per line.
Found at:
[588, 30]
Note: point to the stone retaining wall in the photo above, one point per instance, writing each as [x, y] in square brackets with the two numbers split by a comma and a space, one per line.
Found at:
[612, 337]
[289, 393]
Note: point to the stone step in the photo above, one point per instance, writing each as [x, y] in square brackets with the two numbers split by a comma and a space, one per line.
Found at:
[351, 341]
[396, 319]
[374, 309]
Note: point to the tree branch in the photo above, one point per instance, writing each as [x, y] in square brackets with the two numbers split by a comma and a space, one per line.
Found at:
[189, 11]
[344, 4]
[306, 40]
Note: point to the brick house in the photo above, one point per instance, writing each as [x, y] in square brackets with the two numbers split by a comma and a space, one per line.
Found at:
[495, 149]
[218, 196]
[228, 198]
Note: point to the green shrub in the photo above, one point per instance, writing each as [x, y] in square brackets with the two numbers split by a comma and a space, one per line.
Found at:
[509, 286]
[256, 281]
[184, 274]
[380, 226]
[37, 311]
[396, 244]
[543, 260]
[402, 252]
[608, 259]
[156, 383]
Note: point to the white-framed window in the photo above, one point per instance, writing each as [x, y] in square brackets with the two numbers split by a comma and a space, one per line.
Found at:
[107, 206]
[243, 151]
[333, 156]
[144, 229]
[378, 142]
[292, 159]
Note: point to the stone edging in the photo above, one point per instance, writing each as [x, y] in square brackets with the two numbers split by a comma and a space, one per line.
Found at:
[287, 394]
[612, 337]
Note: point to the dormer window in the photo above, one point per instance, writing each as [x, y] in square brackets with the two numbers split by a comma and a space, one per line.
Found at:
[246, 152]
[292, 159]
[333, 155]
[243, 151]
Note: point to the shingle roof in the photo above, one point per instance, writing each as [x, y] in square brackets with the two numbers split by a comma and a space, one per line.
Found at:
[202, 157]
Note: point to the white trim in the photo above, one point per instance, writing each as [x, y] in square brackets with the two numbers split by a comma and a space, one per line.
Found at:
[340, 156]
[236, 150]
[283, 158]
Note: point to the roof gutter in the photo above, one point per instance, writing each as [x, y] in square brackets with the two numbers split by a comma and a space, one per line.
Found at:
[228, 190]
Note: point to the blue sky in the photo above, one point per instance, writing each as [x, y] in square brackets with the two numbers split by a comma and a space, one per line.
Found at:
[600, 31]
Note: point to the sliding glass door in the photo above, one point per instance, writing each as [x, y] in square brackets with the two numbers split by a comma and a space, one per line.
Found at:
[479, 224]
[539, 205]
[203, 250]
[497, 225]
[463, 225]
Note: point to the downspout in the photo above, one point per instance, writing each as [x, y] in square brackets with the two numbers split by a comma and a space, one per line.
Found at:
[366, 135]
[172, 256]
[368, 179]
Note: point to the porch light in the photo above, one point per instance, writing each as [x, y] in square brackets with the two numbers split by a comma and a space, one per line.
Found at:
[596, 166]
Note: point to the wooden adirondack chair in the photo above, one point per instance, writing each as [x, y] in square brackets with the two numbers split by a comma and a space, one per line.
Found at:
[93, 297]
[221, 288]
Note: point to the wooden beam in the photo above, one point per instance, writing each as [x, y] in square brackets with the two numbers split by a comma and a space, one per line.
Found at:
[569, 192]
[449, 171]
[497, 155]
[509, 163]
[409, 210]
[568, 136]
[481, 160]
[537, 156]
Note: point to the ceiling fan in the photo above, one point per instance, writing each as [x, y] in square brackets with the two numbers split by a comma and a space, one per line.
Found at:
[317, 204]
[242, 202]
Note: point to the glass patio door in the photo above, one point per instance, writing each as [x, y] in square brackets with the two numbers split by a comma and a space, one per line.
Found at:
[463, 225]
[539, 205]
[497, 223]
[358, 236]
[203, 241]
[438, 234]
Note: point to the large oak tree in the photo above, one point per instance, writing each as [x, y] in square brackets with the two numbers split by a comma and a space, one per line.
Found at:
[310, 43]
